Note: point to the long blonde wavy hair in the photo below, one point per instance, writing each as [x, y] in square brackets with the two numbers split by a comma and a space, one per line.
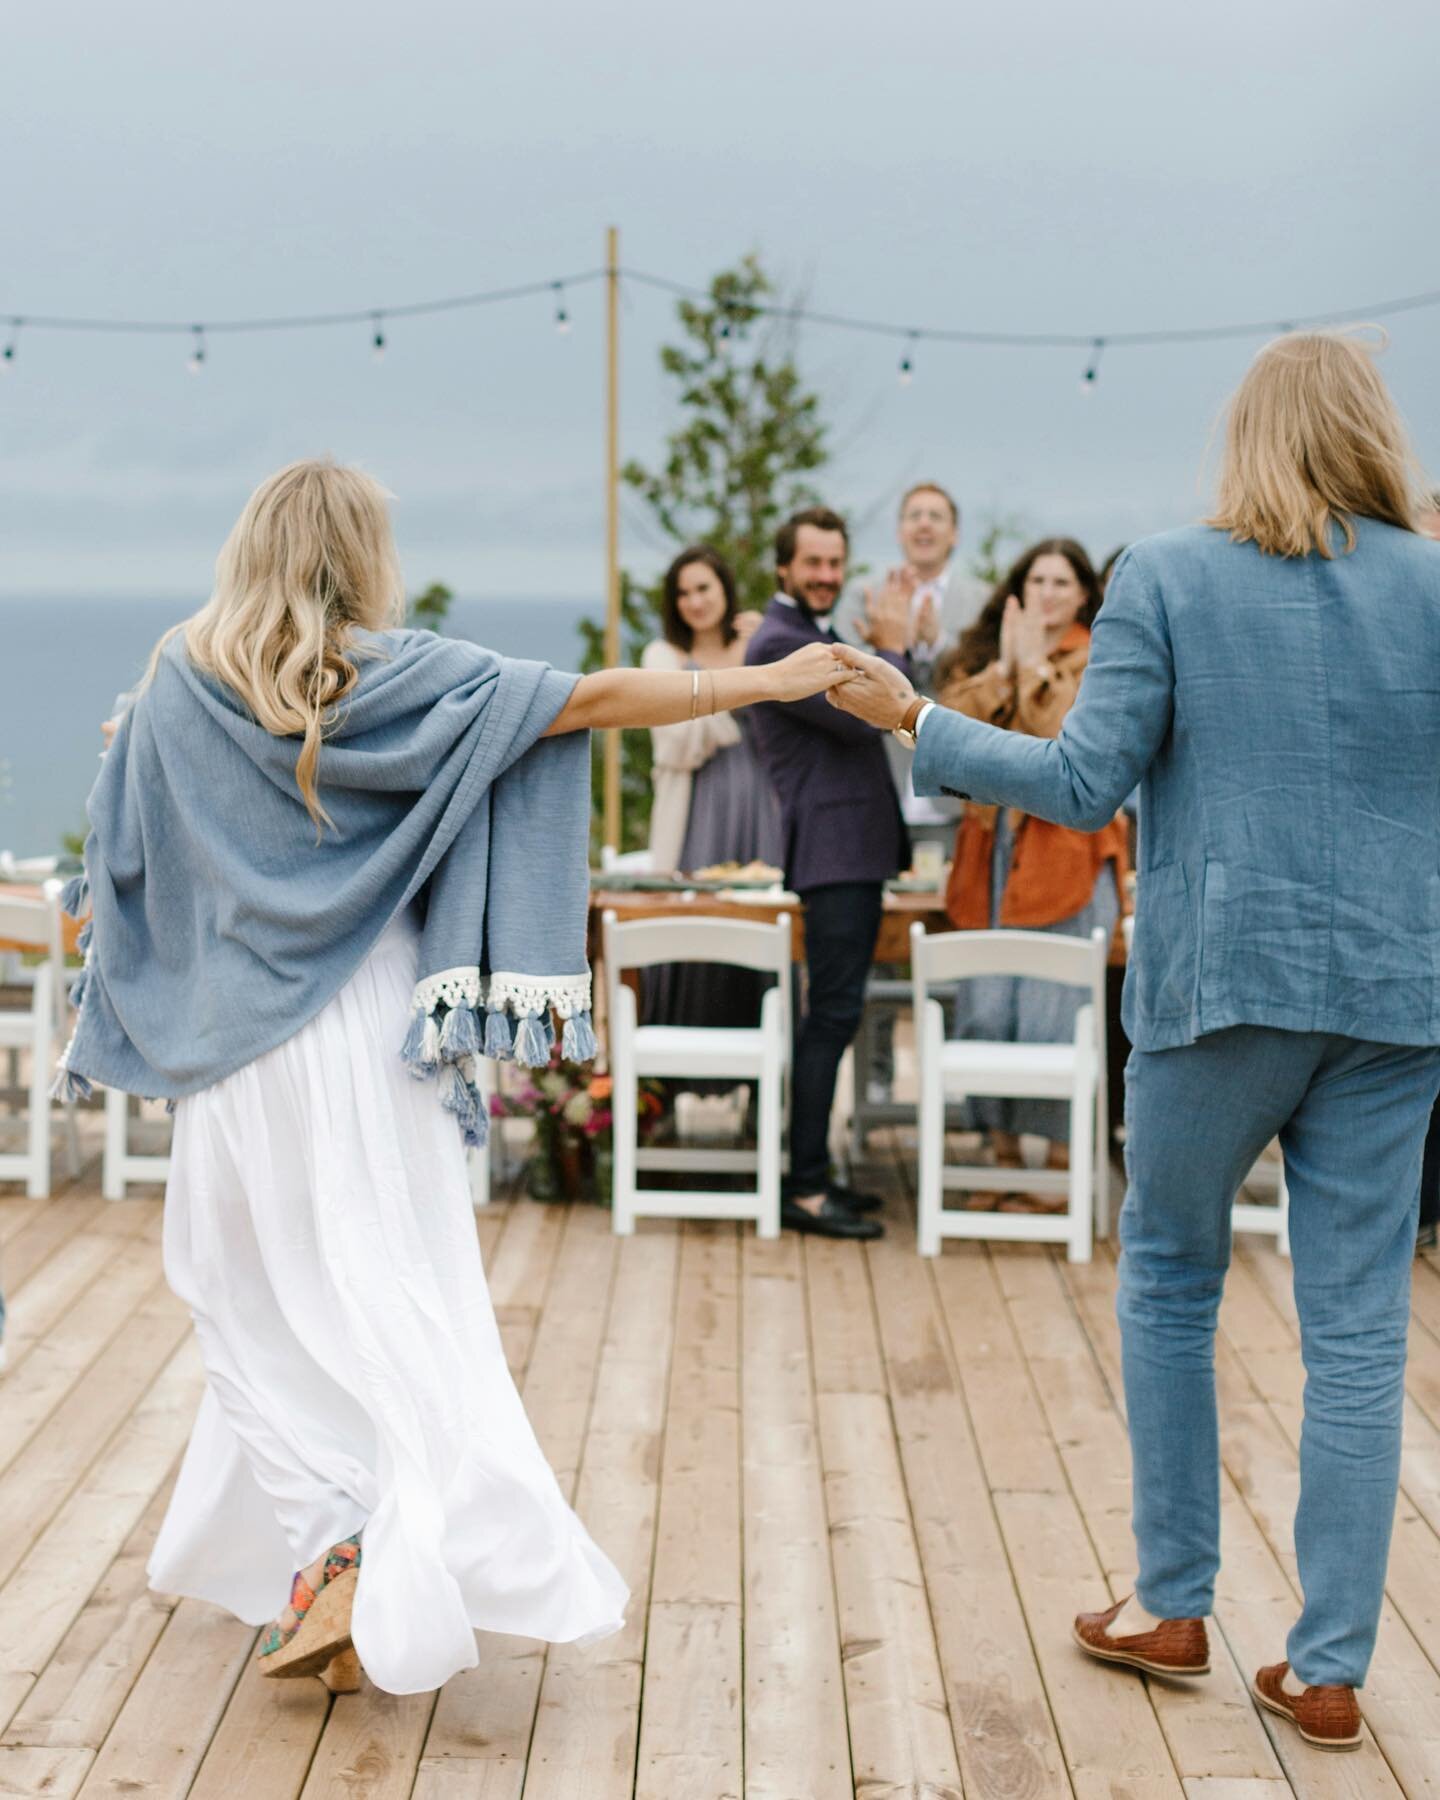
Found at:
[311, 559]
[1313, 440]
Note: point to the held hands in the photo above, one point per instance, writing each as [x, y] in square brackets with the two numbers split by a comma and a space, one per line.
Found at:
[813, 670]
[878, 693]
[886, 624]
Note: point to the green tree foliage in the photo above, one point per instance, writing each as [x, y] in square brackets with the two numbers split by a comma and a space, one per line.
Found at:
[429, 609]
[736, 464]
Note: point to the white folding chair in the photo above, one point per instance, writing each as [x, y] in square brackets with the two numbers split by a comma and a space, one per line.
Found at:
[1252, 1215]
[961, 1068]
[757, 1053]
[629, 862]
[33, 921]
[1269, 1172]
[122, 1164]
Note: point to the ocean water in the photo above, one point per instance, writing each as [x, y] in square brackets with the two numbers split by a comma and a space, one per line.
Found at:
[63, 661]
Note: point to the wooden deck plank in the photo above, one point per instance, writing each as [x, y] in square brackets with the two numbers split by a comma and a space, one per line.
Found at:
[1099, 1718]
[1003, 1730]
[161, 1733]
[370, 1747]
[49, 1590]
[53, 1223]
[39, 1479]
[587, 1722]
[900, 1736]
[35, 1306]
[55, 1374]
[691, 1742]
[265, 1740]
[84, 1685]
[796, 1738]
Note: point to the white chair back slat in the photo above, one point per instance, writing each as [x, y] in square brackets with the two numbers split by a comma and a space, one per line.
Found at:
[26, 920]
[961, 955]
[641, 943]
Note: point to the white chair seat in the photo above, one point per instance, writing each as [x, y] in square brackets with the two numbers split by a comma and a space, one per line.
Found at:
[697, 1050]
[1020, 1071]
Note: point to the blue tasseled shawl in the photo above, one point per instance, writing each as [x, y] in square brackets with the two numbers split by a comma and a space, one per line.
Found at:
[220, 926]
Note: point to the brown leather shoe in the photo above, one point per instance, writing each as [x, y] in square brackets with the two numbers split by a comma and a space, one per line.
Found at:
[1174, 1647]
[1328, 1717]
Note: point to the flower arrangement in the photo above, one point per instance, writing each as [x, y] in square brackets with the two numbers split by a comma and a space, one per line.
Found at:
[573, 1110]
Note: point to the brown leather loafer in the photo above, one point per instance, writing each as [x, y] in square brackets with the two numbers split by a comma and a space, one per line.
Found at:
[1328, 1717]
[1174, 1647]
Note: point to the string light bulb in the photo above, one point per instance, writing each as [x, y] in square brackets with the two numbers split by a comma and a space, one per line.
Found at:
[196, 361]
[562, 318]
[7, 356]
[1092, 368]
[907, 363]
[377, 340]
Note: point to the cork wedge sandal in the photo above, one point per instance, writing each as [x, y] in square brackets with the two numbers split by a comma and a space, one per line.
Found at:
[319, 1640]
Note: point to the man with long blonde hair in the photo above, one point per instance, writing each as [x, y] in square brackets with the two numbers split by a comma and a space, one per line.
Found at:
[1271, 679]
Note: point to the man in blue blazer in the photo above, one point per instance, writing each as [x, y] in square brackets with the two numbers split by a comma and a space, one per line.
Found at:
[843, 839]
[1271, 679]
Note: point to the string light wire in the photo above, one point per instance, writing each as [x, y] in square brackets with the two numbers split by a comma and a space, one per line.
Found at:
[911, 335]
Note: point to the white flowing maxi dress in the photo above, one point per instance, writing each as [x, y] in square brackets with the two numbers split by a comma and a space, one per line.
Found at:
[318, 1225]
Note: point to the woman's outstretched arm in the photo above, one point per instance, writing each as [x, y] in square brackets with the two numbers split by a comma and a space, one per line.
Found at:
[624, 697]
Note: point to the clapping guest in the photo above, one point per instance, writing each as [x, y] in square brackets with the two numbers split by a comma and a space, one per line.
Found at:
[1020, 666]
[712, 801]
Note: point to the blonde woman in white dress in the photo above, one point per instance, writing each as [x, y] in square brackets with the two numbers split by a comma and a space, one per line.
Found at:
[306, 808]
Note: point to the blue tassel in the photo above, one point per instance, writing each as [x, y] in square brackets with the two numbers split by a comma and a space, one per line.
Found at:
[547, 1025]
[68, 1086]
[75, 896]
[79, 989]
[531, 1047]
[497, 1035]
[413, 1049]
[460, 1034]
[87, 932]
[478, 1134]
[578, 1044]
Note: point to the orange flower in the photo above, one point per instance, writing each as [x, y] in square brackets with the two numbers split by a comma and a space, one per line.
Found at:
[601, 1087]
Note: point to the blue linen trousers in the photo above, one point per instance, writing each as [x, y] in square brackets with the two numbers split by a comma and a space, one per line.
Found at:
[1351, 1117]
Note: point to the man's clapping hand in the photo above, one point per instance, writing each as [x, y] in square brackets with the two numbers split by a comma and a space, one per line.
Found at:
[879, 694]
[886, 625]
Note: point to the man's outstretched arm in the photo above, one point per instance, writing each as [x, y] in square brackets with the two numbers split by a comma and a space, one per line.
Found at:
[1079, 779]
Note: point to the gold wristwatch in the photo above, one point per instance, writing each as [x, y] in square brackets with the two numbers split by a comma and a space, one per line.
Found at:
[905, 730]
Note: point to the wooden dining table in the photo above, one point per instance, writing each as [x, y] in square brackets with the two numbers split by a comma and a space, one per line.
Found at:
[900, 911]
[69, 928]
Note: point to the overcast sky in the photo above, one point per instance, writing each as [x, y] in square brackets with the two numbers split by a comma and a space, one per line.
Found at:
[1018, 166]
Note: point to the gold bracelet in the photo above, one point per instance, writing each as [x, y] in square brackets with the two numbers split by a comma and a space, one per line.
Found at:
[711, 675]
[694, 692]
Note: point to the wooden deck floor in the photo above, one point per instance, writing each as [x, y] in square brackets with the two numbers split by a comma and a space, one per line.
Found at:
[858, 1497]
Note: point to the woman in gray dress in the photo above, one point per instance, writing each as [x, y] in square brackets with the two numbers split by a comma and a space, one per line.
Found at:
[712, 801]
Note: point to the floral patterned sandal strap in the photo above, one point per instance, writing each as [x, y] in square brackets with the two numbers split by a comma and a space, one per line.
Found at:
[343, 1556]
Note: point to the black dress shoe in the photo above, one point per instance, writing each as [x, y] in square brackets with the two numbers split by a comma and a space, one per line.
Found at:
[833, 1220]
[851, 1197]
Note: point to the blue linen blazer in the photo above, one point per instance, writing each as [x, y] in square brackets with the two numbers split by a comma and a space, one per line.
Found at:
[1282, 717]
[838, 805]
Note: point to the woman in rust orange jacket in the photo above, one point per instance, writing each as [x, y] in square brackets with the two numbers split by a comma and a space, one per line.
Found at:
[1019, 666]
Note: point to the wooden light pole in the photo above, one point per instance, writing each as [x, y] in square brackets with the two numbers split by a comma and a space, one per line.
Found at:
[613, 821]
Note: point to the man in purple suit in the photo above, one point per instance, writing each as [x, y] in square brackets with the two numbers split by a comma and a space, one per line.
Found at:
[844, 838]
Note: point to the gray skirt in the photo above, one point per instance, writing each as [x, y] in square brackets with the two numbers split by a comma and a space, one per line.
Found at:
[1016, 1009]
